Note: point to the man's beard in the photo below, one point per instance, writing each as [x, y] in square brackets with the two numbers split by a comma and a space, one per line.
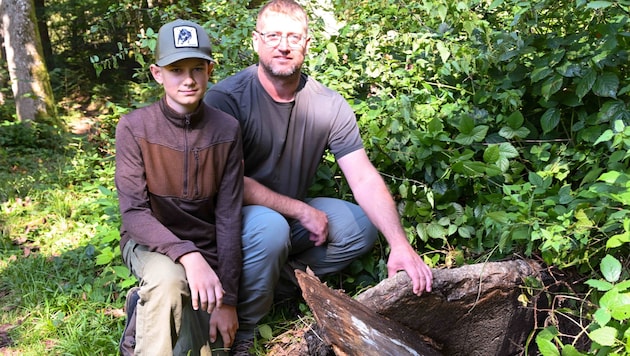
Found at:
[284, 73]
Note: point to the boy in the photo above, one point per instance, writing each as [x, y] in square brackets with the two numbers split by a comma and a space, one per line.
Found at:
[179, 177]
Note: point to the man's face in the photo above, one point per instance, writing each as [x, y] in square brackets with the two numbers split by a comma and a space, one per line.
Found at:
[283, 59]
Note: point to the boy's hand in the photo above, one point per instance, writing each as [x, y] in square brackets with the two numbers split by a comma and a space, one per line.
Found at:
[205, 287]
[225, 321]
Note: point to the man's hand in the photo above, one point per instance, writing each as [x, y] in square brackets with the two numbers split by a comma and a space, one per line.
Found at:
[315, 221]
[206, 290]
[406, 259]
[225, 321]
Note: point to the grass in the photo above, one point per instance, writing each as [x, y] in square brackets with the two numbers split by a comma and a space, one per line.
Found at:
[54, 299]
[62, 283]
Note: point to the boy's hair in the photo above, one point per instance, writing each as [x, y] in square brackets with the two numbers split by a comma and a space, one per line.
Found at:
[181, 39]
[284, 7]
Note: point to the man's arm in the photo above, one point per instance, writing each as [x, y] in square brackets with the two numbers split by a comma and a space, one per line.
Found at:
[372, 194]
[312, 219]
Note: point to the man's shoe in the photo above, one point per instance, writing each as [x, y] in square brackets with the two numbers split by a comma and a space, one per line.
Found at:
[128, 340]
[242, 348]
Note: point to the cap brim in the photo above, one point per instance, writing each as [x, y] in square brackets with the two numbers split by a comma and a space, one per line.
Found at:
[179, 55]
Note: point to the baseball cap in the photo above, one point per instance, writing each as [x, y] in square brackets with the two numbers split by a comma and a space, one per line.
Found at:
[181, 39]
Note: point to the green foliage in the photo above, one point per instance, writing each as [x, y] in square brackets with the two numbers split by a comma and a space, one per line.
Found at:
[609, 330]
[21, 136]
[228, 23]
[494, 124]
[502, 127]
[54, 203]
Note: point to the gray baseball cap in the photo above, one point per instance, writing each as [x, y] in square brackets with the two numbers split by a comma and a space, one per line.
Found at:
[181, 39]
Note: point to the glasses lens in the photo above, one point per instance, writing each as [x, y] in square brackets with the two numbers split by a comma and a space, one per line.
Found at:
[273, 39]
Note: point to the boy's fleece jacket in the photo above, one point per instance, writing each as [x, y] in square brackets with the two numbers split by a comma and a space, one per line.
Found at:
[180, 186]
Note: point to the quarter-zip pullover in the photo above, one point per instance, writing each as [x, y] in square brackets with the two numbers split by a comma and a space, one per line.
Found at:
[180, 186]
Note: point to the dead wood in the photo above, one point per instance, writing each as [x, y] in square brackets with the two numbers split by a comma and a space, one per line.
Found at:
[354, 329]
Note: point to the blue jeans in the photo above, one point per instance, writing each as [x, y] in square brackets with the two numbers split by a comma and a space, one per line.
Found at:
[270, 241]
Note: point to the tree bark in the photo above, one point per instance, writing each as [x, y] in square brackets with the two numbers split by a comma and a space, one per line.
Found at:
[353, 329]
[3, 78]
[471, 310]
[30, 81]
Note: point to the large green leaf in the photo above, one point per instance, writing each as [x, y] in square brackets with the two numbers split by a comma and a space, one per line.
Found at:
[585, 84]
[604, 336]
[551, 86]
[606, 85]
[611, 268]
[550, 119]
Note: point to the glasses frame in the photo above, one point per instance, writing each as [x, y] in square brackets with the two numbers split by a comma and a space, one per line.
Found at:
[270, 43]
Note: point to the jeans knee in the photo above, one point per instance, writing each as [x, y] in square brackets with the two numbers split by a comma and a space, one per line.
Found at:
[265, 231]
[371, 235]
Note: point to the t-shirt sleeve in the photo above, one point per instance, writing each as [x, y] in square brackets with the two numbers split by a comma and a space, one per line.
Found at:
[344, 137]
[222, 101]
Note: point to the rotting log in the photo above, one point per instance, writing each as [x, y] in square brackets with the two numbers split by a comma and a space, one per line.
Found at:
[472, 310]
[353, 328]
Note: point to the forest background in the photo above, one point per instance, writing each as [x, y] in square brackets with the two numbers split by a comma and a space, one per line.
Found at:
[502, 128]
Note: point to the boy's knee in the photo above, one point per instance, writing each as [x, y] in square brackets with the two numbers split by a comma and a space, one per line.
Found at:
[166, 283]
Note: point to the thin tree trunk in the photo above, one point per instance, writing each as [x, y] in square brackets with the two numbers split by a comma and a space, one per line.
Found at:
[30, 81]
[4, 81]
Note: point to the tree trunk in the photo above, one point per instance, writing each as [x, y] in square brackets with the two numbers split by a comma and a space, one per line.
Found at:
[4, 81]
[472, 310]
[30, 82]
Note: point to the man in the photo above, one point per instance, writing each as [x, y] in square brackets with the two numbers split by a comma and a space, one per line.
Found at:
[288, 120]
[179, 176]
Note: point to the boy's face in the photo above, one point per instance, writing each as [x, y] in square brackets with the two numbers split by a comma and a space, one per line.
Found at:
[184, 81]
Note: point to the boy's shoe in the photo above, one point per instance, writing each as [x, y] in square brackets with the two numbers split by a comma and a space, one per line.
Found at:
[128, 340]
[242, 348]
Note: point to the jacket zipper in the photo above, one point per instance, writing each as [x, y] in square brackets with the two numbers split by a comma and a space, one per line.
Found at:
[186, 128]
[196, 176]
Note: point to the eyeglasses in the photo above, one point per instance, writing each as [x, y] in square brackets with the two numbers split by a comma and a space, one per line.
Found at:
[273, 39]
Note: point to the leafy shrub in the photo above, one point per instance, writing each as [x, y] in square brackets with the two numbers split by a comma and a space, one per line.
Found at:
[503, 128]
[29, 135]
[493, 124]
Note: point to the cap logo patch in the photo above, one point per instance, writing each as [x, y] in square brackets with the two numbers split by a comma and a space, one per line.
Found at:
[185, 36]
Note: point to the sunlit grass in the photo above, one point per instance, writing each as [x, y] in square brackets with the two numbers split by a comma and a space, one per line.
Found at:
[52, 299]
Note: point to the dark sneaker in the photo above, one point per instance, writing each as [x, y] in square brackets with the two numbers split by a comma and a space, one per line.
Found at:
[128, 340]
[242, 348]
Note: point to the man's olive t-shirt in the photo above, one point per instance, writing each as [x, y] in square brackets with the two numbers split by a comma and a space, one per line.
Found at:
[283, 143]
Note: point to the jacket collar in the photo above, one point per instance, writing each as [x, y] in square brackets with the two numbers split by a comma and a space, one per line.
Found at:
[181, 120]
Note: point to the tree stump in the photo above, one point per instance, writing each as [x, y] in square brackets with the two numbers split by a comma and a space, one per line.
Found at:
[472, 310]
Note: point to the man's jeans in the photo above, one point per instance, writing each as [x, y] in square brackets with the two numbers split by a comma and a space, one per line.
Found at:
[270, 241]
